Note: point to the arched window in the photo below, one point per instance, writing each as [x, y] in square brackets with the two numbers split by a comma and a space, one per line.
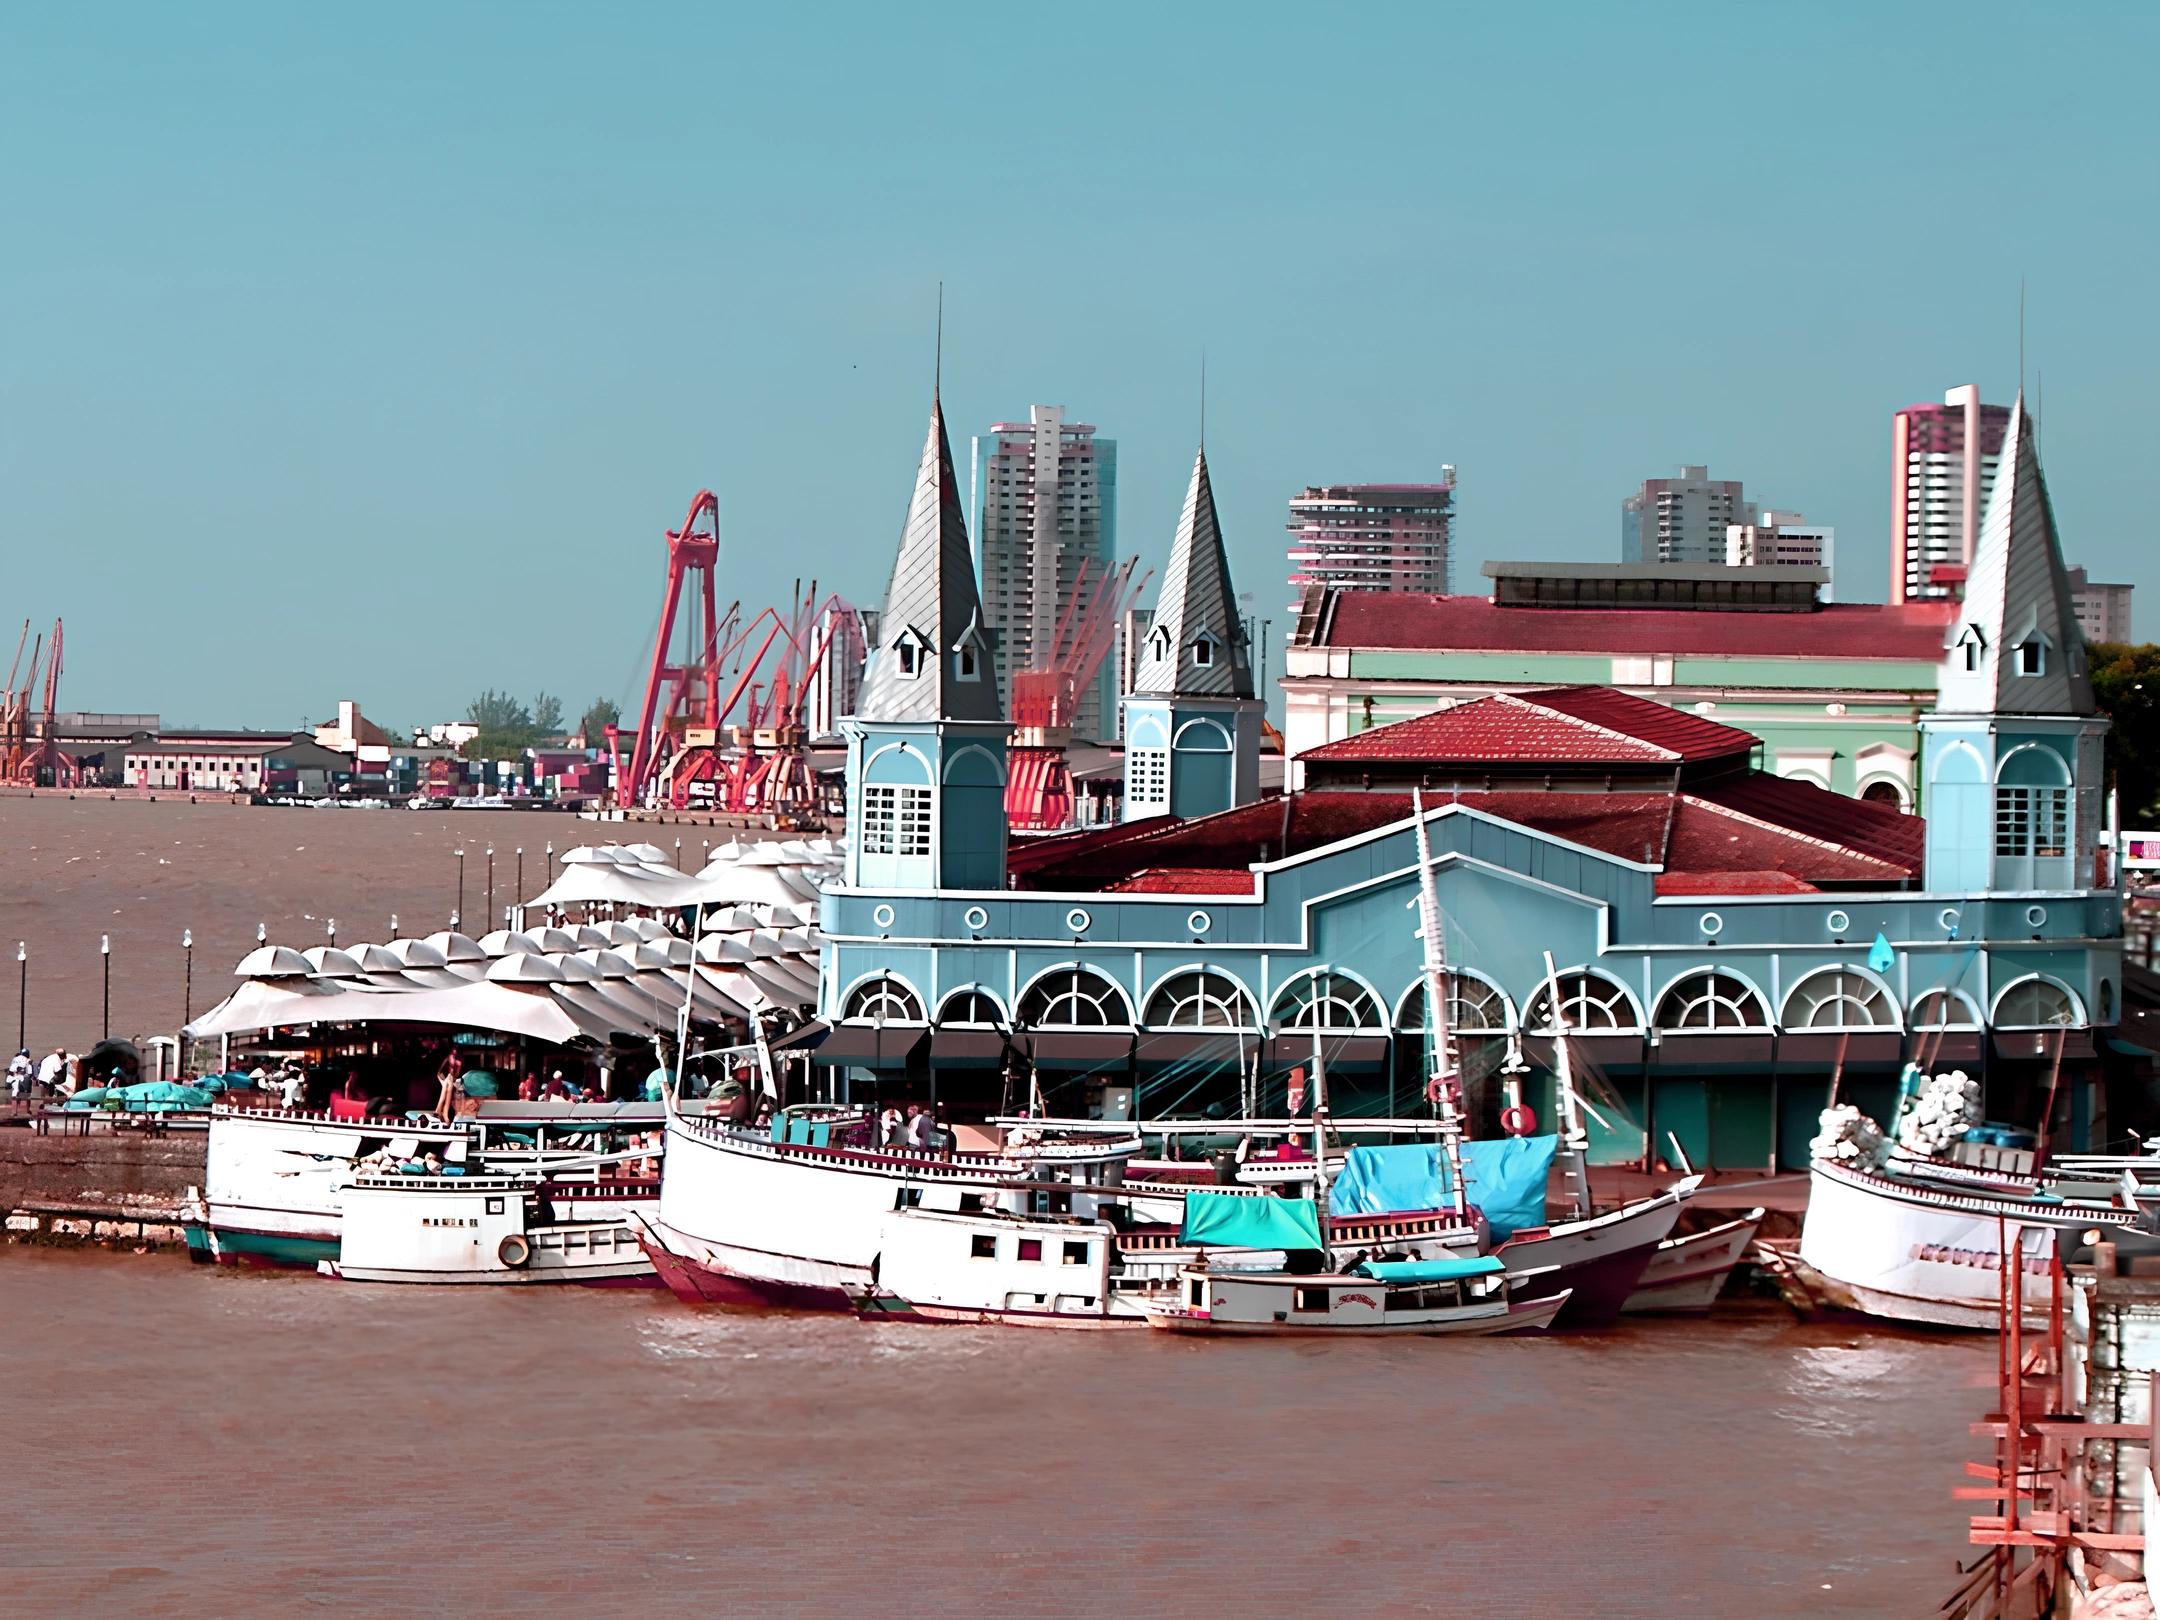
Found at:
[1202, 999]
[1073, 998]
[1591, 1004]
[1885, 793]
[1473, 1007]
[1323, 1000]
[1839, 998]
[2036, 1004]
[2032, 804]
[971, 1007]
[884, 1000]
[1711, 1000]
[1945, 1009]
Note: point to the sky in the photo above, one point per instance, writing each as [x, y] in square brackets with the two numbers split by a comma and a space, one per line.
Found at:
[368, 352]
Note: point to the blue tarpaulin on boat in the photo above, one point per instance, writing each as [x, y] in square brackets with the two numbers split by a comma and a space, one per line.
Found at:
[1419, 1271]
[1251, 1223]
[1506, 1179]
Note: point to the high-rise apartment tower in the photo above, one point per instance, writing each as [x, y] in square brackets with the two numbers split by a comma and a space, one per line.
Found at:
[1942, 465]
[1683, 519]
[1045, 499]
[1373, 537]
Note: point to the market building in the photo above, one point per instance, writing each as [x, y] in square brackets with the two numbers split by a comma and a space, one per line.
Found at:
[1835, 690]
[1729, 941]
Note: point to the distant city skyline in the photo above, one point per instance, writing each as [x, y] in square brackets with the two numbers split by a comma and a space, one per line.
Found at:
[377, 353]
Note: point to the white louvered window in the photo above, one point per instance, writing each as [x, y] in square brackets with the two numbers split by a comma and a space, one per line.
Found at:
[879, 817]
[914, 814]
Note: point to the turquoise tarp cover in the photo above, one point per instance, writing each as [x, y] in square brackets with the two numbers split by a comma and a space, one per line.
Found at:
[1506, 1177]
[1251, 1223]
[1418, 1271]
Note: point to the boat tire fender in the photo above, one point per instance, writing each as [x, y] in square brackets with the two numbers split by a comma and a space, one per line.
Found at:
[514, 1250]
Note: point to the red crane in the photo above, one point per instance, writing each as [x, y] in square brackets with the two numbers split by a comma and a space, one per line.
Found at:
[820, 655]
[1046, 697]
[680, 691]
[33, 758]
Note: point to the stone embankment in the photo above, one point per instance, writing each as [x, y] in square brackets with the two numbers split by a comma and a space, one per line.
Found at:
[103, 1186]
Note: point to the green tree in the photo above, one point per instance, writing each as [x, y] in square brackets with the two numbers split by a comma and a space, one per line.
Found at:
[2126, 685]
[506, 726]
[547, 714]
[602, 713]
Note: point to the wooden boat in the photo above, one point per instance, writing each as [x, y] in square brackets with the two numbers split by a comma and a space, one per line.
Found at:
[1688, 1272]
[1467, 1297]
[574, 1227]
[274, 1181]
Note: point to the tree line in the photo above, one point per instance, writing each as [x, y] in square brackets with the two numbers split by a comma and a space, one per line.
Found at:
[507, 727]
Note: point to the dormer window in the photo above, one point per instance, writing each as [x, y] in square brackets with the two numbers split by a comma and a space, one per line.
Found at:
[908, 652]
[1203, 650]
[2032, 657]
[1971, 646]
[966, 665]
[1159, 642]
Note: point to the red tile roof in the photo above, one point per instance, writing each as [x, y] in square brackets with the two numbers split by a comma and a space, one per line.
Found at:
[1756, 826]
[1714, 883]
[1397, 619]
[1571, 725]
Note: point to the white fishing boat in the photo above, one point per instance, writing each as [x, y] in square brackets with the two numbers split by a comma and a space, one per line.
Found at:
[1689, 1272]
[1468, 1296]
[573, 1227]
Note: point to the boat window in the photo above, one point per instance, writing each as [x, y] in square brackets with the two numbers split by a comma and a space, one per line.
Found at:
[1076, 1254]
[971, 1203]
[495, 1205]
[908, 1198]
[1195, 1292]
[982, 1247]
[1309, 1299]
[1031, 1248]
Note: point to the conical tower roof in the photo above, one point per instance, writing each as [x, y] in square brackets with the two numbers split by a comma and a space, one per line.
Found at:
[1196, 603]
[933, 622]
[2016, 647]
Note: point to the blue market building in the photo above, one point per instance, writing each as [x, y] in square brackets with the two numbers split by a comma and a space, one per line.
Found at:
[1726, 942]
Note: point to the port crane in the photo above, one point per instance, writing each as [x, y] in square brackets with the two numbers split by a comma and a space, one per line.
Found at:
[30, 753]
[1046, 695]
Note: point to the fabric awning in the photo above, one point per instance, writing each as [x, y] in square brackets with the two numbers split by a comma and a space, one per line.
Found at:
[2041, 1044]
[1360, 1053]
[881, 1047]
[1079, 1048]
[1712, 1048]
[1871, 1047]
[967, 1048]
[1245, 1222]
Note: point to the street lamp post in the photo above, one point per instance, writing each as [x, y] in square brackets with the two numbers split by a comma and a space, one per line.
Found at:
[187, 975]
[105, 950]
[460, 854]
[262, 935]
[521, 874]
[490, 880]
[393, 925]
[22, 994]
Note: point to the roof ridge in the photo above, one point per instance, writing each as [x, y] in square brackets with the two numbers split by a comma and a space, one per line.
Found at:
[1660, 749]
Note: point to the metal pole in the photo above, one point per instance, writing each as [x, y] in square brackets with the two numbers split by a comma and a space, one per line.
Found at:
[22, 993]
[521, 874]
[490, 881]
[460, 854]
[187, 975]
[105, 950]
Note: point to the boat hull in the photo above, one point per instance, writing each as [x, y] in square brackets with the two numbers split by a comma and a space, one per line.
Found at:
[1932, 1256]
[637, 1273]
[1597, 1262]
[1522, 1316]
[1687, 1274]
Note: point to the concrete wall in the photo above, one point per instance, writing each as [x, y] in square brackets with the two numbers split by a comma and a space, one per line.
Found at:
[108, 1171]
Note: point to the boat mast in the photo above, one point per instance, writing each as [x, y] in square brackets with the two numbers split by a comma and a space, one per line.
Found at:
[1443, 1084]
[1318, 1102]
[1574, 1138]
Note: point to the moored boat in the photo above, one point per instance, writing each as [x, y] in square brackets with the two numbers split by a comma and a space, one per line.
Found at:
[1687, 1273]
[573, 1227]
[1467, 1296]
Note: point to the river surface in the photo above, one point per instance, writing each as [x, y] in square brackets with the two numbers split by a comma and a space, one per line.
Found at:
[187, 1441]
[140, 872]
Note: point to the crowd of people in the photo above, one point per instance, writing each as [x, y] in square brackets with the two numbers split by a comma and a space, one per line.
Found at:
[918, 1128]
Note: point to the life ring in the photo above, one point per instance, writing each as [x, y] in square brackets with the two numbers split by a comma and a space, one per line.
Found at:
[514, 1250]
[1519, 1120]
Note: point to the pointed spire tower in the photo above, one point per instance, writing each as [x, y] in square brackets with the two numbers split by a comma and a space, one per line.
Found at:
[926, 746]
[2012, 753]
[1192, 721]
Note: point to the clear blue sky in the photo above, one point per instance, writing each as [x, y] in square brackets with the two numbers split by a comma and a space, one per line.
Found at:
[368, 351]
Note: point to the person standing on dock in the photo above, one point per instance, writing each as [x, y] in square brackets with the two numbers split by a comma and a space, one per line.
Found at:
[20, 1069]
[53, 1070]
